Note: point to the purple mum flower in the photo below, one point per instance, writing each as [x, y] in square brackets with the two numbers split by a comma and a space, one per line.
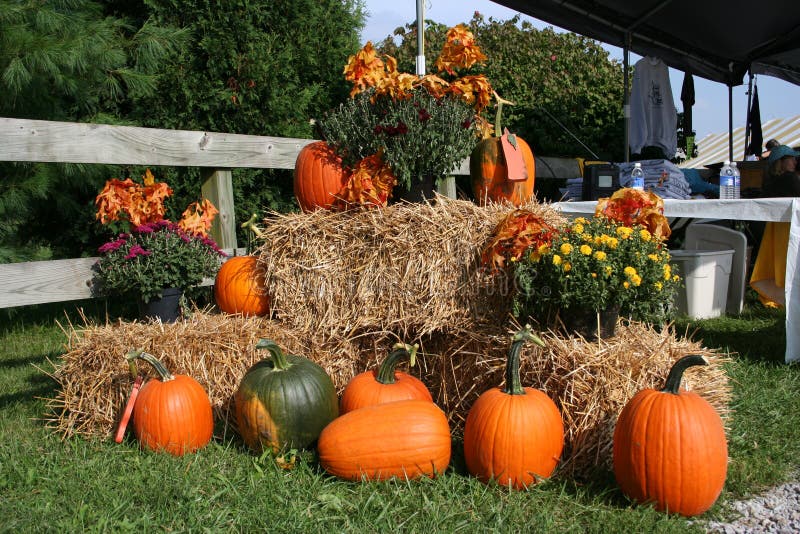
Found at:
[137, 250]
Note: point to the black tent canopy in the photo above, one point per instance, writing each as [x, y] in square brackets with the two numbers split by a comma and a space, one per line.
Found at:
[721, 40]
[716, 39]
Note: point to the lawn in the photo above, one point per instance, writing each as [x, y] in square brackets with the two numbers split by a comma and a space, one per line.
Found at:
[47, 484]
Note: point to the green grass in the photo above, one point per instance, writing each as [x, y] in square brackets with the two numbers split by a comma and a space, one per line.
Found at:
[47, 484]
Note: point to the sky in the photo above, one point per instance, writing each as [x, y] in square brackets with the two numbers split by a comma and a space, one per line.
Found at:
[777, 98]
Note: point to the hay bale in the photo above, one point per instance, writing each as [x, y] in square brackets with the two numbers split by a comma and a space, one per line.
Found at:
[590, 382]
[410, 269]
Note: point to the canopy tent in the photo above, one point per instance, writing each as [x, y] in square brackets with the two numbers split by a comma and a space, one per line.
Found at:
[716, 39]
[720, 40]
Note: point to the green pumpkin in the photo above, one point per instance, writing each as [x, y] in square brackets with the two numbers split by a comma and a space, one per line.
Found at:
[284, 402]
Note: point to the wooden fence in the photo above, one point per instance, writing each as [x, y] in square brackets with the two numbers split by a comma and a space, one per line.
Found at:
[214, 153]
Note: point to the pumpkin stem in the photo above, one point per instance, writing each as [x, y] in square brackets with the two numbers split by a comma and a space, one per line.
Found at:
[513, 381]
[500, 101]
[673, 383]
[162, 371]
[385, 374]
[250, 224]
[278, 357]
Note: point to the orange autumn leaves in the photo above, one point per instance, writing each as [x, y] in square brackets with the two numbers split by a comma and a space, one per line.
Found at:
[632, 206]
[370, 182]
[366, 69]
[138, 204]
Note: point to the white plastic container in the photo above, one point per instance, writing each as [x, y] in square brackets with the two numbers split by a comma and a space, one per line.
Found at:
[705, 275]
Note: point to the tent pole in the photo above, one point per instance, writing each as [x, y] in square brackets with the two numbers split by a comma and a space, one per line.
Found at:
[747, 115]
[730, 123]
[420, 37]
[626, 104]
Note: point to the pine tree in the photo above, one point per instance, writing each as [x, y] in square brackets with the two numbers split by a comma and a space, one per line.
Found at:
[67, 60]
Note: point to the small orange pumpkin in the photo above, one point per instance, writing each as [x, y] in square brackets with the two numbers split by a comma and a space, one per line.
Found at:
[670, 447]
[240, 287]
[489, 171]
[318, 176]
[406, 439]
[172, 413]
[385, 384]
[515, 435]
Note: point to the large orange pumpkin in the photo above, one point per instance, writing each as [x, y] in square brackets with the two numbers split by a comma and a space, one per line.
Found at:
[173, 412]
[670, 447]
[405, 439]
[318, 176]
[513, 436]
[384, 384]
[489, 173]
[240, 287]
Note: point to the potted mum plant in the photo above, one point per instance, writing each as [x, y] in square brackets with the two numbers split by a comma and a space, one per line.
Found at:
[593, 270]
[419, 128]
[153, 259]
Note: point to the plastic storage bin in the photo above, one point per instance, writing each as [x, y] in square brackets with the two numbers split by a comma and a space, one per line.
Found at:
[713, 237]
[705, 275]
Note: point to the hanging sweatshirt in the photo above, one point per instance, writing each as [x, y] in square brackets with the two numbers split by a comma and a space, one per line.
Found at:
[654, 118]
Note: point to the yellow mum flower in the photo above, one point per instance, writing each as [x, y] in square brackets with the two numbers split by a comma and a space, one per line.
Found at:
[629, 271]
[599, 255]
[637, 280]
[567, 267]
[577, 228]
[653, 257]
[624, 232]
[534, 256]
[608, 270]
[667, 271]
[646, 236]
[556, 259]
[566, 249]
[586, 250]
[543, 249]
[626, 284]
[581, 220]
[659, 286]
[676, 278]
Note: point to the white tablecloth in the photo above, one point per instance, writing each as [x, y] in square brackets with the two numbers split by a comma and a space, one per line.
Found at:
[761, 209]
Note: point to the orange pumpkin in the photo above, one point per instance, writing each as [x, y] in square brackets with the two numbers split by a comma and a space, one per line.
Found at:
[240, 287]
[489, 173]
[670, 447]
[172, 413]
[405, 439]
[385, 384]
[513, 436]
[318, 176]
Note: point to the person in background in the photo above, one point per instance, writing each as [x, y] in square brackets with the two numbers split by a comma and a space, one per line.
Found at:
[769, 272]
[772, 143]
[782, 179]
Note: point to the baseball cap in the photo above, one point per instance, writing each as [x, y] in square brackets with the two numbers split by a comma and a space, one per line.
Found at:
[781, 152]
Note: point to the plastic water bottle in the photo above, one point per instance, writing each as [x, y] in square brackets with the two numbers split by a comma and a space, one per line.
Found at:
[737, 181]
[637, 177]
[726, 180]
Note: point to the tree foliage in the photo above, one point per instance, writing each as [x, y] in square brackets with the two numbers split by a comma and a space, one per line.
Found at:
[547, 75]
[245, 66]
[66, 60]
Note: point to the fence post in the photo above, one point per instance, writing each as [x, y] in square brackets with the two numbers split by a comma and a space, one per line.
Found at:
[218, 188]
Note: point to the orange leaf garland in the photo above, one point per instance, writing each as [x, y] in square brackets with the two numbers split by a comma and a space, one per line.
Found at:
[197, 218]
[632, 206]
[518, 231]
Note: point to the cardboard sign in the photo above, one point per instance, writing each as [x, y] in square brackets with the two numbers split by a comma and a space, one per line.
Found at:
[517, 172]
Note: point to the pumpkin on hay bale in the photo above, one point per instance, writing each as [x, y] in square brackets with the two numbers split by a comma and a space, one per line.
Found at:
[590, 382]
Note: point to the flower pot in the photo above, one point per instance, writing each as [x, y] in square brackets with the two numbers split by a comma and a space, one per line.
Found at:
[585, 322]
[167, 308]
[420, 190]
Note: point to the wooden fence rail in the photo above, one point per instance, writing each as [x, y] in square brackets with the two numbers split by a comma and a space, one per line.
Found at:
[214, 153]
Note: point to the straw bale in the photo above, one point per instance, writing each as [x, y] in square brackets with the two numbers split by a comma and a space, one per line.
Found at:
[590, 382]
[411, 269]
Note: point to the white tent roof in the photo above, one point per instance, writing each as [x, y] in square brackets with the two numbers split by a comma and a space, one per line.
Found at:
[713, 148]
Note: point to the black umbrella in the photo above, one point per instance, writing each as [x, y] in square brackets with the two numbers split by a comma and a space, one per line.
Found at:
[687, 97]
[754, 126]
